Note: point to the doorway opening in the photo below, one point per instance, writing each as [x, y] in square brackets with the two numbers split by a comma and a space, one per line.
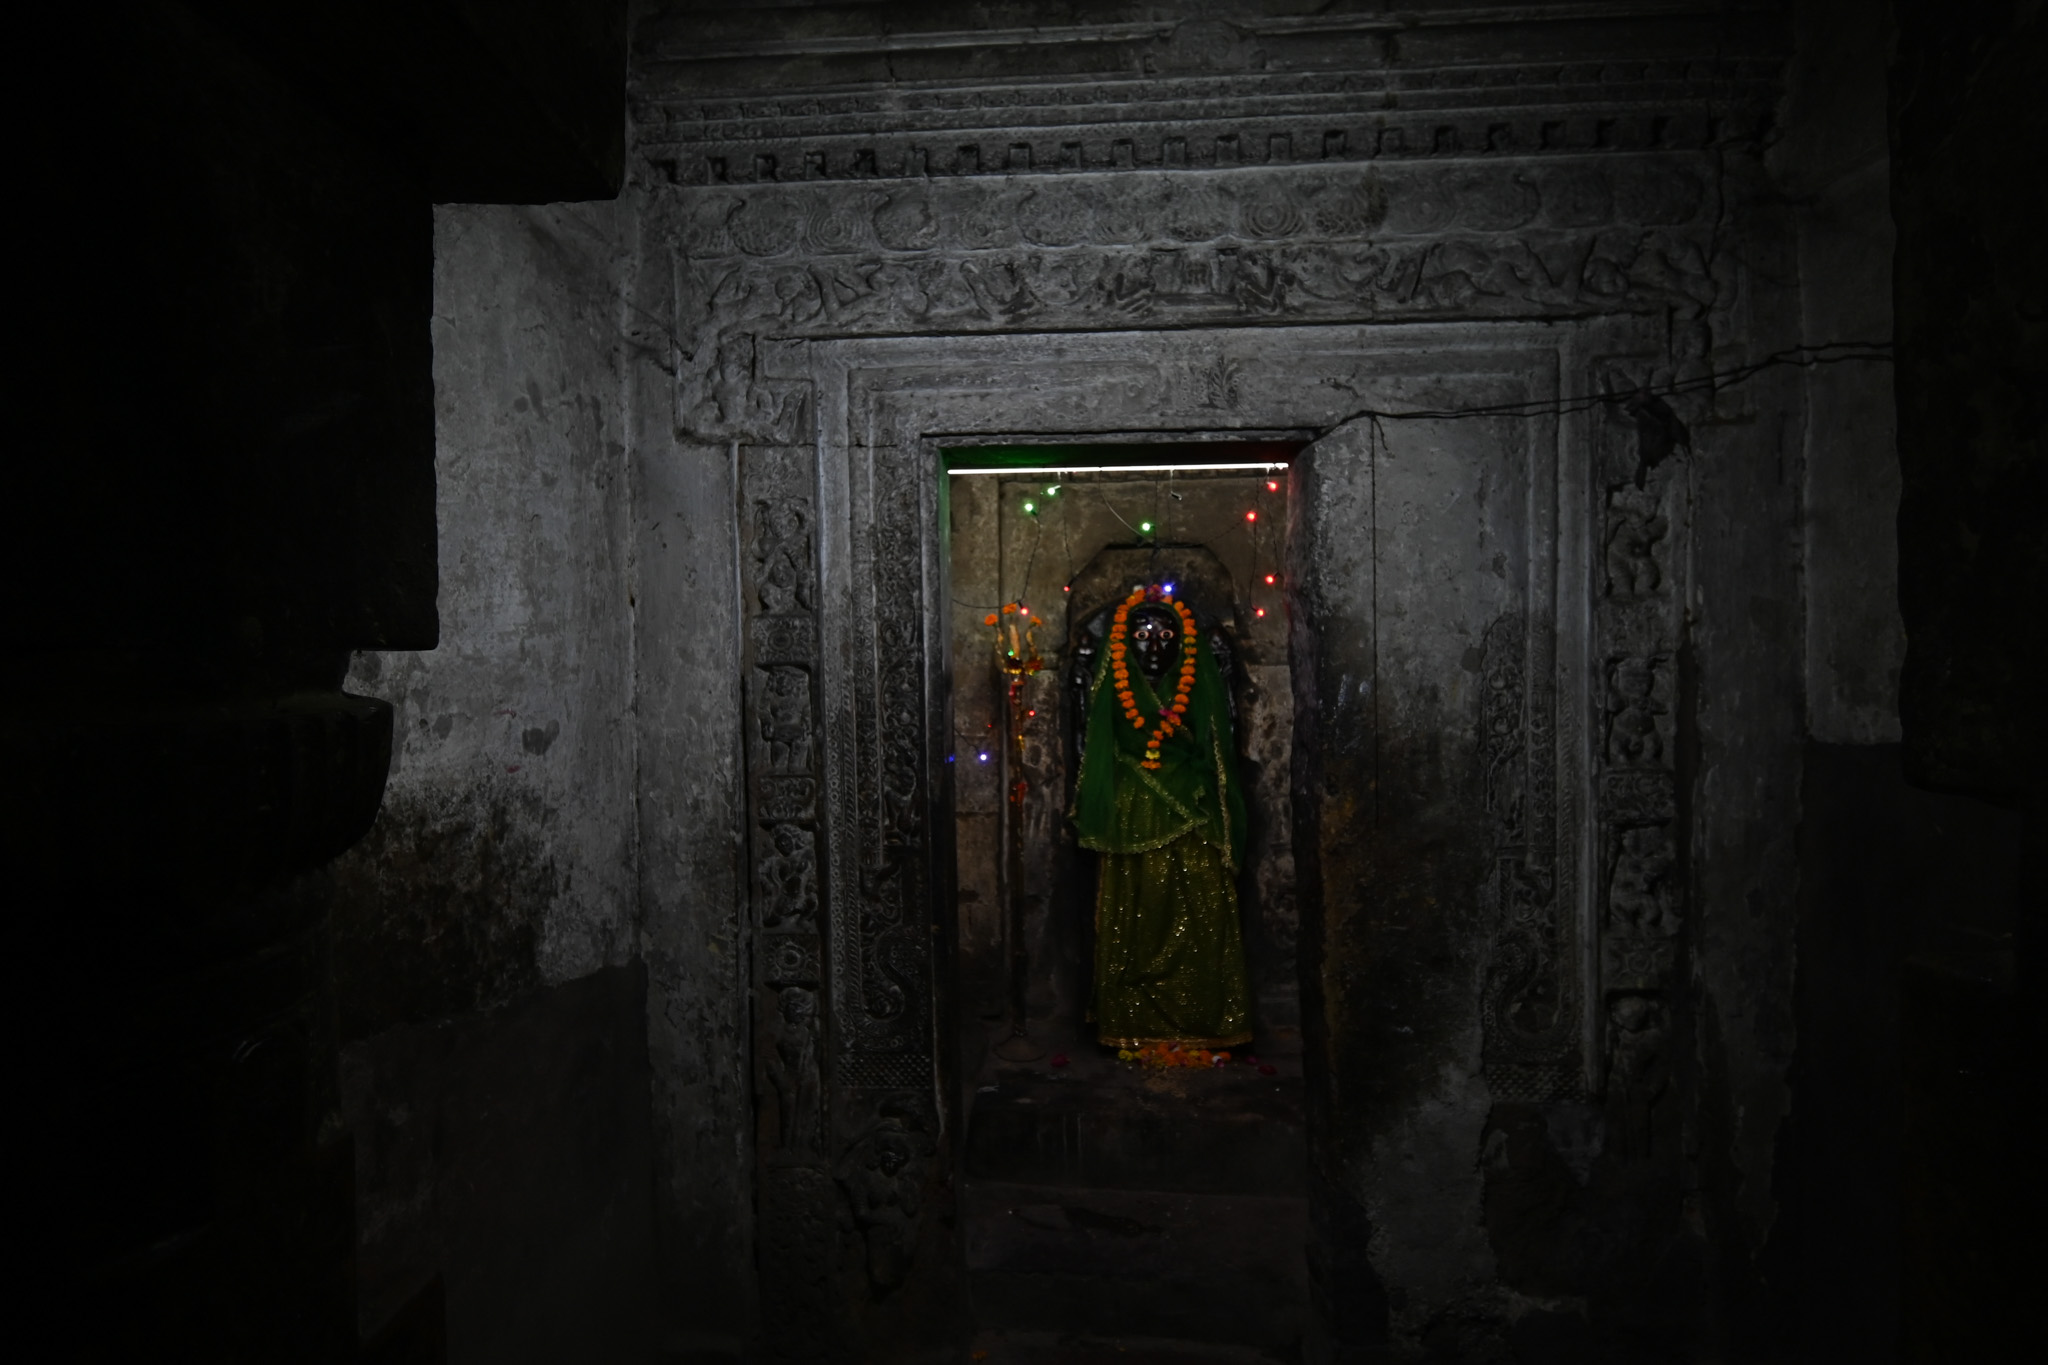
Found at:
[1103, 1197]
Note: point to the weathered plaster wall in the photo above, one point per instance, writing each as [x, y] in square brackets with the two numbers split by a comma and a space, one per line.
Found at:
[503, 858]
[501, 867]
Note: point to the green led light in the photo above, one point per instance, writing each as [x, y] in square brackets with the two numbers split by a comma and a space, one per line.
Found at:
[1031, 507]
[1146, 527]
[1053, 491]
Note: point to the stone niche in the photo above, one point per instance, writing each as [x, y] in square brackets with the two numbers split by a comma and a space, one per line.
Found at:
[1485, 615]
[1019, 871]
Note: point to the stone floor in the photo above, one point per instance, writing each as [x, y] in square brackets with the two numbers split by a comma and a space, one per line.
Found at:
[1045, 1348]
[1118, 1213]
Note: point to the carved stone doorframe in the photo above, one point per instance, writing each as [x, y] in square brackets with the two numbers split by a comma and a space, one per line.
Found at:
[847, 736]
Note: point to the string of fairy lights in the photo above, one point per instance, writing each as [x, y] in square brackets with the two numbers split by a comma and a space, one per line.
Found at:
[1015, 625]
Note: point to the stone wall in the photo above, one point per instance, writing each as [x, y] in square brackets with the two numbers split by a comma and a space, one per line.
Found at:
[501, 868]
[1564, 651]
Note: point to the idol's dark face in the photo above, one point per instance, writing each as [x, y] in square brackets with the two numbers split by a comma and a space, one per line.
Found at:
[1154, 634]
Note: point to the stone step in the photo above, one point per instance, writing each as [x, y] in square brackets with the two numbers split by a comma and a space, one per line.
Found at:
[1161, 1265]
[1230, 1131]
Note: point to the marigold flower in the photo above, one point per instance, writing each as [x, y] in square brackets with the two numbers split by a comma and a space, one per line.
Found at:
[989, 619]
[1010, 609]
[1138, 724]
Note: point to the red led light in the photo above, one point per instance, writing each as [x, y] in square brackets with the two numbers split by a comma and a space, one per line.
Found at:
[1272, 485]
[1269, 580]
[1258, 611]
[1032, 712]
[1068, 588]
[1251, 516]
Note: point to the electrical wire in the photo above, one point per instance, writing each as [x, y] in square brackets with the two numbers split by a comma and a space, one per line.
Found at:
[1794, 357]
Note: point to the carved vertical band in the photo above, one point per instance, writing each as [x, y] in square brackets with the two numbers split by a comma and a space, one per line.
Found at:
[798, 1209]
[1638, 627]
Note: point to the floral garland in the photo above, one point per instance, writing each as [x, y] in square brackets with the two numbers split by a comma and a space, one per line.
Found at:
[1170, 715]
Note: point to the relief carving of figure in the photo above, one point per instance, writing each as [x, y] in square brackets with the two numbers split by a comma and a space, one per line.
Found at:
[782, 553]
[1638, 1074]
[793, 1071]
[1640, 895]
[786, 719]
[789, 878]
[733, 400]
[1633, 737]
[883, 1176]
[729, 390]
[1632, 568]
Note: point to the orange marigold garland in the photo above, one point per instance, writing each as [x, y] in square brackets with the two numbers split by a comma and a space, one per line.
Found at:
[1170, 716]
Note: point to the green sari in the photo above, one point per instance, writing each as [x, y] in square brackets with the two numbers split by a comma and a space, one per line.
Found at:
[1169, 948]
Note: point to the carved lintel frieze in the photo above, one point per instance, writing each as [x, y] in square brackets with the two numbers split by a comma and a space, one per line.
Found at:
[1160, 284]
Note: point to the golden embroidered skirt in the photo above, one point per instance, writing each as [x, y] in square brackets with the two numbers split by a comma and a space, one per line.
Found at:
[1169, 949]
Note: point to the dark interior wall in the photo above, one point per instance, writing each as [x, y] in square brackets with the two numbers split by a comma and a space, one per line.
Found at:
[1969, 285]
[1897, 883]
[1893, 1235]
[1971, 300]
[508, 1155]
[1830, 161]
[254, 500]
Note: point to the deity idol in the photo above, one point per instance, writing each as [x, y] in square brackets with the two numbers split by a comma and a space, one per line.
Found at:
[1158, 798]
